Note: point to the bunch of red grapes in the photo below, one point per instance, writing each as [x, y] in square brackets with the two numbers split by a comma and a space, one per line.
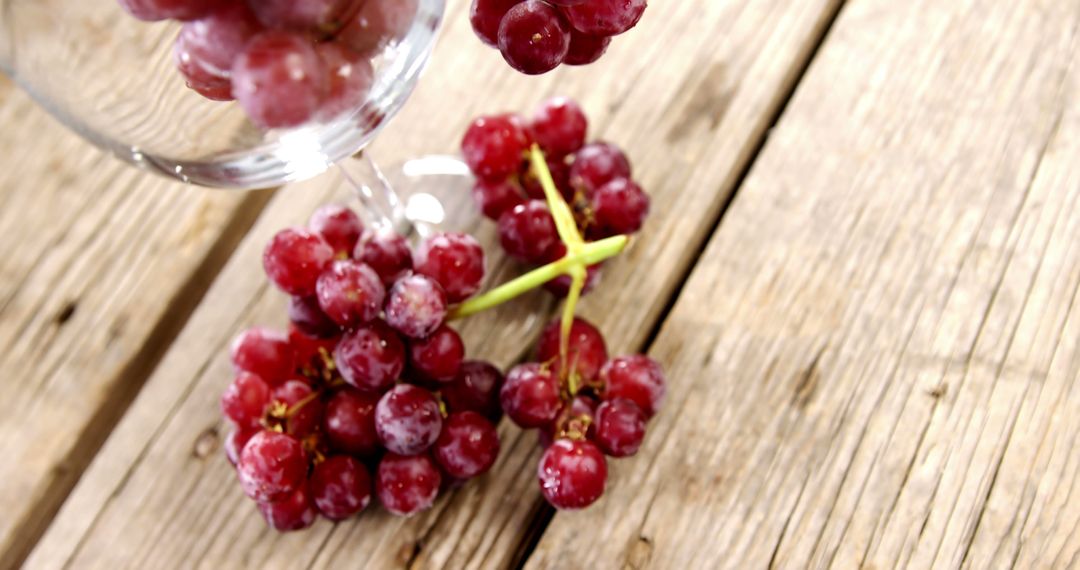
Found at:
[536, 36]
[595, 179]
[368, 380]
[287, 62]
[593, 407]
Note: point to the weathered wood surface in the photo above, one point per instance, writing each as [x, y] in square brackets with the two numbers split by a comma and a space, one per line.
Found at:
[875, 363]
[101, 264]
[704, 89]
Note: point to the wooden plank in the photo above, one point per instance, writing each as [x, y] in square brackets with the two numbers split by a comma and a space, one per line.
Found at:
[101, 265]
[702, 80]
[875, 363]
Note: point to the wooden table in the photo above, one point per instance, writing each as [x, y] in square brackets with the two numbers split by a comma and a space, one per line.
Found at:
[860, 275]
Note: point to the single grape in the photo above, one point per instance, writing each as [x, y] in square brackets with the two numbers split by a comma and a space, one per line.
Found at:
[416, 306]
[586, 49]
[620, 427]
[349, 422]
[455, 261]
[559, 126]
[340, 487]
[439, 356]
[576, 420]
[309, 319]
[351, 77]
[245, 400]
[408, 420]
[312, 353]
[350, 293]
[264, 353]
[494, 147]
[572, 474]
[295, 258]
[300, 15]
[155, 10]
[213, 43]
[475, 388]
[534, 37]
[279, 80]
[386, 252]
[407, 485]
[235, 442]
[294, 511]
[468, 445]
[304, 411]
[586, 350]
[377, 24]
[272, 465]
[495, 198]
[637, 378]
[201, 80]
[485, 17]
[371, 357]
[619, 207]
[337, 224]
[531, 395]
[605, 17]
[597, 164]
[528, 232]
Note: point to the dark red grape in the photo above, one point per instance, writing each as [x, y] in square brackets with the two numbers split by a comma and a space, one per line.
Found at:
[294, 511]
[386, 252]
[309, 318]
[531, 395]
[264, 353]
[528, 232]
[351, 77]
[295, 258]
[350, 293]
[337, 224]
[304, 411]
[455, 261]
[279, 80]
[408, 419]
[272, 465]
[494, 147]
[245, 400]
[439, 356]
[213, 43]
[377, 24]
[572, 474]
[349, 422]
[585, 49]
[299, 15]
[235, 442]
[637, 378]
[475, 388]
[370, 358]
[407, 485]
[575, 421]
[605, 17]
[340, 487]
[559, 126]
[485, 17]
[597, 164]
[619, 207]
[534, 37]
[620, 427]
[468, 445]
[311, 353]
[585, 350]
[416, 306]
[496, 198]
[155, 10]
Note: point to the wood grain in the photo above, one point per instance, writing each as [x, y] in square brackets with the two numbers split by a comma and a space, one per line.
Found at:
[875, 363]
[101, 265]
[159, 494]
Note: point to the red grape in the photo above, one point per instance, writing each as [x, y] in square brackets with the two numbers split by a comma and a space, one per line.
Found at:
[528, 232]
[305, 411]
[337, 224]
[245, 400]
[407, 485]
[214, 42]
[585, 349]
[559, 126]
[575, 421]
[496, 198]
[439, 356]
[485, 17]
[295, 258]
[377, 24]
[572, 474]
[585, 49]
[294, 511]
[408, 420]
[620, 427]
[386, 252]
[370, 358]
[468, 445]
[605, 17]
[312, 353]
[351, 77]
[154, 10]
[455, 261]
[416, 306]
[531, 395]
[272, 465]
[309, 319]
[340, 487]
[350, 293]
[637, 378]
[264, 353]
[597, 164]
[300, 15]
[279, 80]
[620, 207]
[494, 147]
[200, 79]
[235, 442]
[533, 37]
[475, 388]
[349, 422]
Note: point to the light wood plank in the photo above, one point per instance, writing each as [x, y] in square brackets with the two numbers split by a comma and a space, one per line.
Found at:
[101, 264]
[875, 363]
[699, 80]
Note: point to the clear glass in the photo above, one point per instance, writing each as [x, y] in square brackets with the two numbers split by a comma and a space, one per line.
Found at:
[112, 79]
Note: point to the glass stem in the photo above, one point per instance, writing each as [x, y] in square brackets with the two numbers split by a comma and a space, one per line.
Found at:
[381, 207]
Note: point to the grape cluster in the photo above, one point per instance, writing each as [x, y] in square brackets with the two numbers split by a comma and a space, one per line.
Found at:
[369, 391]
[595, 179]
[536, 36]
[593, 407]
[287, 62]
